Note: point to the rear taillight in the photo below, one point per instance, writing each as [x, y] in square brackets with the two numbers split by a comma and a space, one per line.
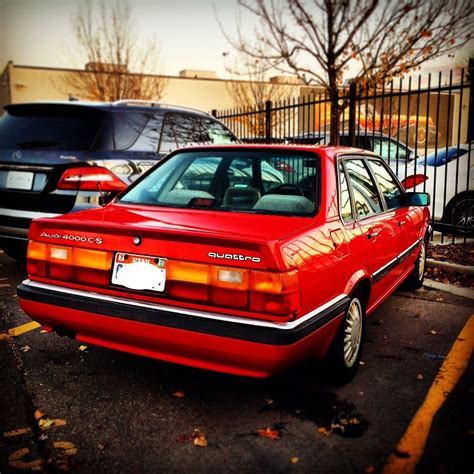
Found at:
[90, 178]
[69, 263]
[259, 291]
[414, 180]
[273, 293]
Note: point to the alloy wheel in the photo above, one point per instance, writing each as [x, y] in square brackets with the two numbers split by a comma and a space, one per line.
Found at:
[463, 214]
[353, 332]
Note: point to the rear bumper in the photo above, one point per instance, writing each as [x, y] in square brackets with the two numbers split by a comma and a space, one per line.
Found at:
[15, 223]
[208, 340]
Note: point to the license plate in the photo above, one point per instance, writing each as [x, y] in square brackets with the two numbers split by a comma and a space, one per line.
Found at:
[139, 272]
[22, 180]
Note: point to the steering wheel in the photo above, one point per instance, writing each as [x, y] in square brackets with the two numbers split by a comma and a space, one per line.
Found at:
[287, 189]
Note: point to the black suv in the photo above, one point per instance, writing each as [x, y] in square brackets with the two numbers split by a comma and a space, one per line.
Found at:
[59, 157]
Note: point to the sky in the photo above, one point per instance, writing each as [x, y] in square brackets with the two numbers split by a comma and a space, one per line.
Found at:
[38, 33]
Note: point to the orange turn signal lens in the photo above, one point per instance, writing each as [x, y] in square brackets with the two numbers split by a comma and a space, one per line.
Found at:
[187, 272]
[36, 250]
[96, 259]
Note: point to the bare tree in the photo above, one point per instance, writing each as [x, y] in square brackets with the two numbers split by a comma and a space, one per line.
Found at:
[252, 94]
[117, 64]
[321, 41]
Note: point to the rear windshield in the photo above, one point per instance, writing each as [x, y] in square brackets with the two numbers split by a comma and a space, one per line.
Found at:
[53, 127]
[256, 181]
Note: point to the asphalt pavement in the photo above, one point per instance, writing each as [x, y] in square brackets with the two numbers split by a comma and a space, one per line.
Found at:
[65, 406]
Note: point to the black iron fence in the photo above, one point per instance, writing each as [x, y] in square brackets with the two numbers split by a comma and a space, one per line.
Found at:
[423, 127]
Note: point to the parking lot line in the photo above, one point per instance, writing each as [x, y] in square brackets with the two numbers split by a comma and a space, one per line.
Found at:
[23, 328]
[410, 448]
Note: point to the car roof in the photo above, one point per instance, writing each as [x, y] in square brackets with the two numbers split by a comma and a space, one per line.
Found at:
[327, 150]
[125, 104]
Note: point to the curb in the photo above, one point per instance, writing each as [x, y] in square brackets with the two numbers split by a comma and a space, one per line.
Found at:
[450, 267]
[453, 289]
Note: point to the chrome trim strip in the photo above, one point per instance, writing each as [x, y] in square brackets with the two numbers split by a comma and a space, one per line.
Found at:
[399, 256]
[202, 314]
[380, 270]
[25, 214]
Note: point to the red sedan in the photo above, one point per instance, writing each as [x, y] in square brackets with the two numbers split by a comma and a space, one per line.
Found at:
[241, 259]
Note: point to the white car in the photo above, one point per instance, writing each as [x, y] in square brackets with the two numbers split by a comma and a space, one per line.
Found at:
[448, 176]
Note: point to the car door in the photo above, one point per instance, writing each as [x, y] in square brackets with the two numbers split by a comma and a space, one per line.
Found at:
[403, 217]
[379, 231]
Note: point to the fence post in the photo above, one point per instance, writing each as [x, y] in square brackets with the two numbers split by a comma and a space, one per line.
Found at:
[214, 112]
[268, 121]
[352, 113]
[470, 126]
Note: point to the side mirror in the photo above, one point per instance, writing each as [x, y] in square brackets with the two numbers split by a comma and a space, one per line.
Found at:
[418, 199]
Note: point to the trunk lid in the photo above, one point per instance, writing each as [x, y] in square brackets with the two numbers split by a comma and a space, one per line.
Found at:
[223, 238]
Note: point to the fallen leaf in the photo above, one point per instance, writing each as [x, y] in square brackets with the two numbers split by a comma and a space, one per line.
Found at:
[82, 348]
[361, 362]
[199, 438]
[178, 394]
[323, 431]
[20, 431]
[295, 460]
[101, 446]
[39, 414]
[432, 331]
[46, 423]
[43, 331]
[361, 393]
[268, 401]
[269, 433]
[43, 437]
[419, 377]
[369, 469]
[25, 348]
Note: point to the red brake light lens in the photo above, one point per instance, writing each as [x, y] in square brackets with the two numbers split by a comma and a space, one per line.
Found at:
[413, 181]
[90, 178]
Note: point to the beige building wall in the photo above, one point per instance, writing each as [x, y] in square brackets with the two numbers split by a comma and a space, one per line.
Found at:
[28, 83]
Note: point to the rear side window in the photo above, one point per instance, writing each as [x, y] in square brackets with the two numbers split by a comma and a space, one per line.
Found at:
[216, 133]
[344, 196]
[181, 130]
[364, 190]
[128, 128]
[50, 127]
[389, 150]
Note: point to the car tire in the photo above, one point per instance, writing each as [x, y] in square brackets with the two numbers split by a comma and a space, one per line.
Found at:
[414, 281]
[344, 355]
[16, 251]
[460, 213]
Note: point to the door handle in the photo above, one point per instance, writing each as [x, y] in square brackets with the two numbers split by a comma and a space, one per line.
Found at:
[400, 223]
[372, 235]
